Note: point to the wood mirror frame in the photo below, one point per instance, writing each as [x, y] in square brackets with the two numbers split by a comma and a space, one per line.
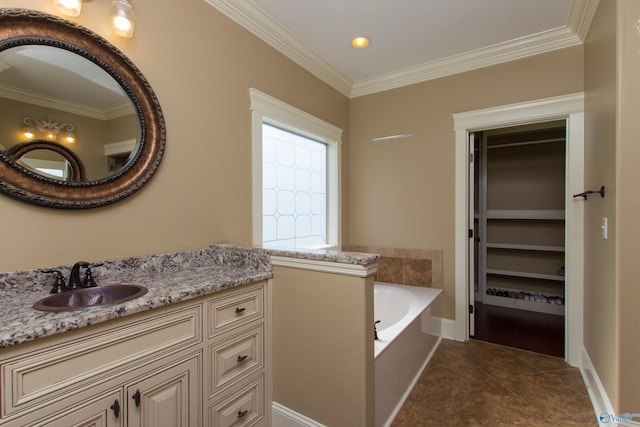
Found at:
[75, 164]
[21, 27]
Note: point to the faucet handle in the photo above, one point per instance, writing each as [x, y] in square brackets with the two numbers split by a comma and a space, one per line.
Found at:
[59, 287]
[89, 281]
[375, 329]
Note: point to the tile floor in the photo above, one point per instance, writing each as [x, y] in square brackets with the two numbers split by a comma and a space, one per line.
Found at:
[483, 384]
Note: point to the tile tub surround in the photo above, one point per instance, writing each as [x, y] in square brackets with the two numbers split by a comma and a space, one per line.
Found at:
[170, 278]
[415, 267]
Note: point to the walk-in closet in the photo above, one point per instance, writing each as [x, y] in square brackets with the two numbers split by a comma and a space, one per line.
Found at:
[519, 204]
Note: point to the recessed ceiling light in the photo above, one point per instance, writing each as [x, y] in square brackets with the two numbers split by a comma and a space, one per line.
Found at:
[360, 42]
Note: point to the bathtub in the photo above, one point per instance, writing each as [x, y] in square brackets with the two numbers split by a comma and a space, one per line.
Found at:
[407, 337]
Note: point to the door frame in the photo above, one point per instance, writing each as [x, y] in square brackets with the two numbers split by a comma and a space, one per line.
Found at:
[566, 107]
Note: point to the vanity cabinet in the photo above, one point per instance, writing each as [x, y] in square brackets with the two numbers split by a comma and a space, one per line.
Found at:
[167, 397]
[238, 355]
[205, 361]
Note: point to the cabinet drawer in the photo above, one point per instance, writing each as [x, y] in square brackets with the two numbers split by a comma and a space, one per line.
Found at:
[53, 372]
[103, 411]
[241, 407]
[235, 358]
[234, 310]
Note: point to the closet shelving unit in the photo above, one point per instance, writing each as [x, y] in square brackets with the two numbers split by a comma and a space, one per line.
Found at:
[521, 219]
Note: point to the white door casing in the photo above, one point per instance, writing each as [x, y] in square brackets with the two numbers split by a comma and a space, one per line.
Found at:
[472, 231]
[566, 107]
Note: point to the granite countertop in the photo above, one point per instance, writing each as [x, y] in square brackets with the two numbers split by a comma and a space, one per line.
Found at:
[169, 278]
[327, 255]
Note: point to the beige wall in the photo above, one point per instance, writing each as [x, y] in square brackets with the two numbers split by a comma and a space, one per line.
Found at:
[402, 193]
[612, 62]
[628, 209]
[323, 359]
[396, 194]
[201, 66]
[600, 169]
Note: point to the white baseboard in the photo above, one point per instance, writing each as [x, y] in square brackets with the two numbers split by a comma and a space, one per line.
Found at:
[597, 394]
[445, 328]
[281, 416]
[599, 400]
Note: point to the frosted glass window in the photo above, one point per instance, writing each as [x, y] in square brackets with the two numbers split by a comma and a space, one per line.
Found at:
[294, 189]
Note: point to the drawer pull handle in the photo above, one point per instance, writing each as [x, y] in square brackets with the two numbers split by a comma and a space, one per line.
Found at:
[240, 310]
[242, 413]
[136, 398]
[116, 408]
[242, 358]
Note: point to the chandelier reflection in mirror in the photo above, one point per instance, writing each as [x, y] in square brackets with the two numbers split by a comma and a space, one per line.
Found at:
[48, 130]
[122, 18]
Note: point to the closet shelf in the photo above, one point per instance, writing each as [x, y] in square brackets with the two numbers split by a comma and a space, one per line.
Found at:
[520, 144]
[541, 307]
[525, 274]
[541, 214]
[520, 247]
[519, 213]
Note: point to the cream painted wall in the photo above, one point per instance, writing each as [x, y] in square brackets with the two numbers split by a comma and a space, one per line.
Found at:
[612, 64]
[323, 351]
[201, 66]
[600, 292]
[402, 191]
[628, 209]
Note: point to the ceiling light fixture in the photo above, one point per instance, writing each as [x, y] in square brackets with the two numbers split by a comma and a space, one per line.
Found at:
[122, 17]
[360, 42]
[123, 22]
[68, 7]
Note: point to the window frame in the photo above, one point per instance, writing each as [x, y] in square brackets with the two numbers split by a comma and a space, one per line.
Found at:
[269, 110]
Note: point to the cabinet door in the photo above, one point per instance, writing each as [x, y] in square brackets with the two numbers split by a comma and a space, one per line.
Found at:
[104, 411]
[168, 397]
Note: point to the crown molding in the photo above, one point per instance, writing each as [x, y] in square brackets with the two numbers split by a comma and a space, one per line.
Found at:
[123, 109]
[247, 14]
[581, 16]
[255, 20]
[523, 47]
[21, 95]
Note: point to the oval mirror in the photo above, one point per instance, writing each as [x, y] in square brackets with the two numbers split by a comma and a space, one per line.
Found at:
[48, 163]
[48, 159]
[64, 89]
